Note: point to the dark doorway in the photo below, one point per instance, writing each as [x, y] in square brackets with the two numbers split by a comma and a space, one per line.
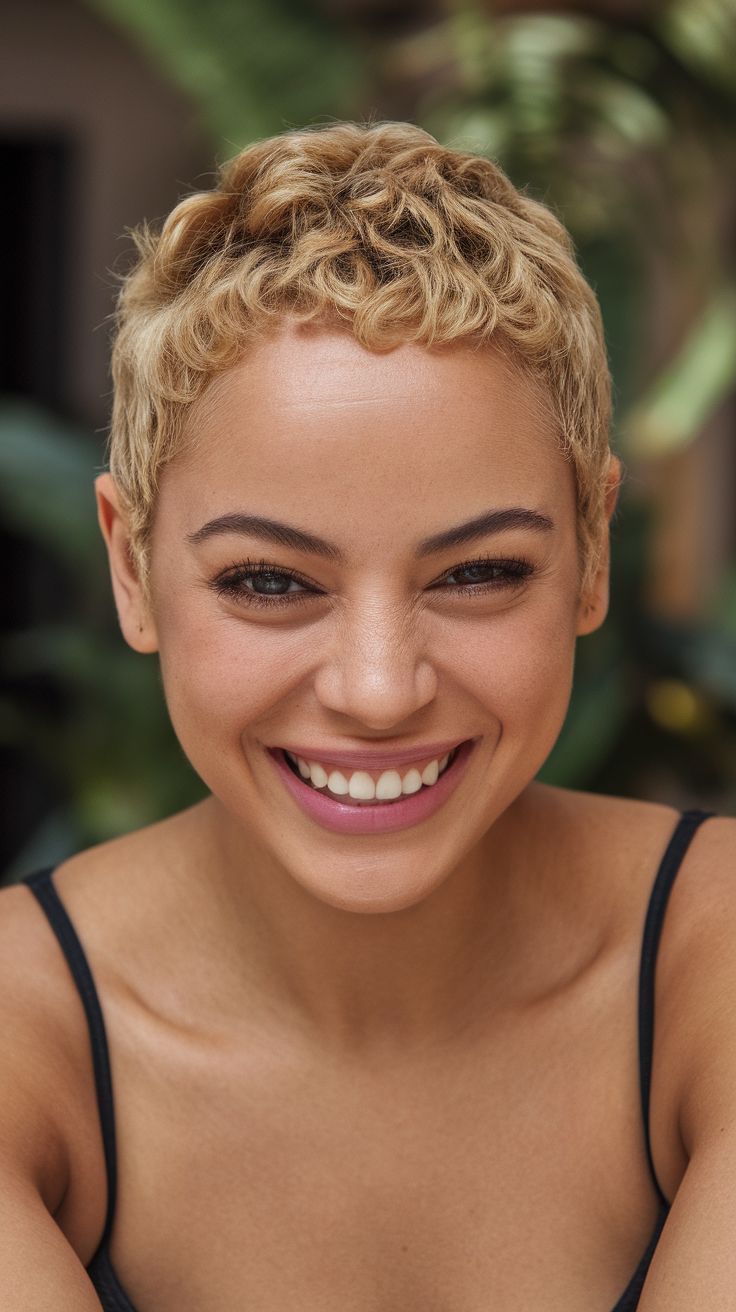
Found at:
[35, 183]
[34, 203]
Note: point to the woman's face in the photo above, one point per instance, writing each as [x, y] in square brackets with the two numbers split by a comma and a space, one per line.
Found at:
[365, 569]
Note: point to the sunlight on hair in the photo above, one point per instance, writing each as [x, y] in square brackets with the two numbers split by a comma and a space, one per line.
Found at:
[377, 228]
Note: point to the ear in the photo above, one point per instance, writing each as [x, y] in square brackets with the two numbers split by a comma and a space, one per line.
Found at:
[594, 605]
[134, 612]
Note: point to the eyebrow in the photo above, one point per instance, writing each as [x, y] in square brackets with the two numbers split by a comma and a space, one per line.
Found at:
[268, 530]
[285, 535]
[494, 521]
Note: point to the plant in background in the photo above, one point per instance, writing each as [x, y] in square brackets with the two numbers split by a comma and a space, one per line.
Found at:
[253, 66]
[75, 702]
[626, 127]
[73, 696]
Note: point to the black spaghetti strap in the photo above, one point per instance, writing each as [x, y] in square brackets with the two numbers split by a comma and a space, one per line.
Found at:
[689, 822]
[41, 885]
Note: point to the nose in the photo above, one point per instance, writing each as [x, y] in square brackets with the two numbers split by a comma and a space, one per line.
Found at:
[377, 673]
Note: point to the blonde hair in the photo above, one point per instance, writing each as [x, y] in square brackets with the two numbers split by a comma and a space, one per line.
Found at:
[379, 228]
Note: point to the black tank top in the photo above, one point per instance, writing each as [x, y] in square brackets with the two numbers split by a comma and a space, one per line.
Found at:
[111, 1294]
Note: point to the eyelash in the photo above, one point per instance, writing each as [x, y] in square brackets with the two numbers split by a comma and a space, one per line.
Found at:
[511, 573]
[231, 584]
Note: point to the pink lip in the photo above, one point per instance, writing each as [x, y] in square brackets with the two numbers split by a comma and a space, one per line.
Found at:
[388, 759]
[402, 814]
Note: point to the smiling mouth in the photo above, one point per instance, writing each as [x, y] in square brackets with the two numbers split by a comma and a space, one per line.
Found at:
[369, 787]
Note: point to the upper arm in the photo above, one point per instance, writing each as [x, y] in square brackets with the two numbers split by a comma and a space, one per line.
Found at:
[51, 1168]
[693, 1108]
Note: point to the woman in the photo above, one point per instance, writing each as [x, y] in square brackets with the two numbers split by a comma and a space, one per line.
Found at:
[371, 1007]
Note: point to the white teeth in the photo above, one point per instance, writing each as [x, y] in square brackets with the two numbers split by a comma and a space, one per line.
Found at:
[361, 786]
[388, 786]
[318, 773]
[337, 783]
[412, 782]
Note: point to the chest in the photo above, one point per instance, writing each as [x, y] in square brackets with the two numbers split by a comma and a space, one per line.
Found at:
[504, 1172]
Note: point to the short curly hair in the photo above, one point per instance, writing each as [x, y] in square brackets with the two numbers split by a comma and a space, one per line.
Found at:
[377, 227]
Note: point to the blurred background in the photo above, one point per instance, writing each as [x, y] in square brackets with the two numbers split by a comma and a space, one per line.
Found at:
[619, 113]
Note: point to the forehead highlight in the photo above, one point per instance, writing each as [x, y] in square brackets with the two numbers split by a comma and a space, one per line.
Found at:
[318, 373]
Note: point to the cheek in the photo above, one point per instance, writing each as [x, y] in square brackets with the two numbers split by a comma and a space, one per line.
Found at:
[221, 675]
[519, 667]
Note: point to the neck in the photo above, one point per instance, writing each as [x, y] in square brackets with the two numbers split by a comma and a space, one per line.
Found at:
[399, 976]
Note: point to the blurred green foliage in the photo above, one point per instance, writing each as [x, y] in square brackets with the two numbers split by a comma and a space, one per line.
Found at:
[103, 734]
[627, 128]
[253, 66]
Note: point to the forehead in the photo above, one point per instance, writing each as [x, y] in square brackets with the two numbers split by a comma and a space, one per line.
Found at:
[313, 424]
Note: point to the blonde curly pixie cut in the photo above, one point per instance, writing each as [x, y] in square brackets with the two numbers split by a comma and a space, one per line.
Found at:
[378, 228]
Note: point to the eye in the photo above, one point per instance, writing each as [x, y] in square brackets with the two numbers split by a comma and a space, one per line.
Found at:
[487, 573]
[260, 583]
[270, 584]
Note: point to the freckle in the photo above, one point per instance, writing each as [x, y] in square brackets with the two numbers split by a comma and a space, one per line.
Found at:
[404, 1248]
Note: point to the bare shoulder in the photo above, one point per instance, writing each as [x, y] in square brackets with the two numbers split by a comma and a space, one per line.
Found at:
[693, 1092]
[50, 1136]
[52, 1171]
[601, 812]
[34, 978]
[32, 965]
[134, 865]
[44, 1092]
[694, 1079]
[619, 841]
[700, 928]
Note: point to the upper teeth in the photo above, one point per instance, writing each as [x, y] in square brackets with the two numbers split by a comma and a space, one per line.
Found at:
[363, 787]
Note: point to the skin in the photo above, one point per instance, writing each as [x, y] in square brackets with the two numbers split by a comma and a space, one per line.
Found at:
[356, 1073]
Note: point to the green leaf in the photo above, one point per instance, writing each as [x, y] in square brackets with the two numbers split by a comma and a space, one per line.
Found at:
[690, 388]
[703, 35]
[46, 482]
[254, 66]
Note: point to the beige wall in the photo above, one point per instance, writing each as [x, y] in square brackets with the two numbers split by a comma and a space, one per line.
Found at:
[138, 147]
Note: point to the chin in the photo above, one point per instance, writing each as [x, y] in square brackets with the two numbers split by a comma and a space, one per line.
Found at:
[371, 890]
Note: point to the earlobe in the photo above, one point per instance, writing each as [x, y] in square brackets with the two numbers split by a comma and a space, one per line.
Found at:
[592, 613]
[594, 605]
[134, 612]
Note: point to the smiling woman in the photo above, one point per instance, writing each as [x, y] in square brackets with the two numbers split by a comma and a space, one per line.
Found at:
[364, 1022]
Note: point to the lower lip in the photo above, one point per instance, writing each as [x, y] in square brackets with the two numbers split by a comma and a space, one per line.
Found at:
[401, 814]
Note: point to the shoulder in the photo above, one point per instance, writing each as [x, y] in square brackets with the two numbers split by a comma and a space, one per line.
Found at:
[47, 1092]
[34, 978]
[43, 1045]
[629, 838]
[694, 1073]
[693, 1092]
[699, 938]
[617, 842]
[602, 812]
[118, 893]
[52, 1169]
